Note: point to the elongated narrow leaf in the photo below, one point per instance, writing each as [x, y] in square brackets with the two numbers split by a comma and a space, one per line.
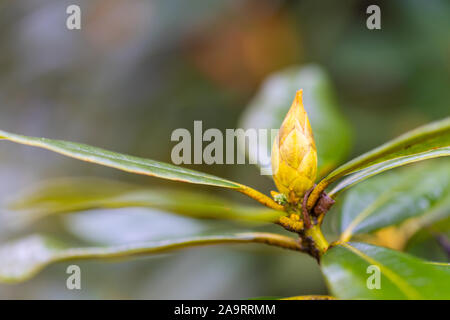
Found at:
[422, 193]
[22, 259]
[136, 165]
[272, 102]
[428, 141]
[77, 194]
[387, 165]
[352, 270]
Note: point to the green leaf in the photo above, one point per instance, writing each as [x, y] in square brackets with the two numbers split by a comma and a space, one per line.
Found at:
[345, 267]
[430, 245]
[78, 194]
[269, 107]
[120, 161]
[22, 259]
[431, 242]
[422, 193]
[428, 141]
[136, 165]
[384, 166]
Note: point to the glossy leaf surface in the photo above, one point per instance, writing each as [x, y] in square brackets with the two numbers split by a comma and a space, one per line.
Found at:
[422, 193]
[350, 271]
[428, 141]
[135, 164]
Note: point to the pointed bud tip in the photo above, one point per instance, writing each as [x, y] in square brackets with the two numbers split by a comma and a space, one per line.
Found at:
[297, 104]
[298, 100]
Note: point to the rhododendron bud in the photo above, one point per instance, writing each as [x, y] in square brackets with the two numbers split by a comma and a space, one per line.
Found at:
[294, 154]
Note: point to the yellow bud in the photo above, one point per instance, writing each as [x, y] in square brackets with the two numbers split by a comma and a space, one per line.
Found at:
[294, 154]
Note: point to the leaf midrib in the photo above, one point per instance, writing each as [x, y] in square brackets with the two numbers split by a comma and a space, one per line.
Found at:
[387, 195]
[74, 148]
[390, 147]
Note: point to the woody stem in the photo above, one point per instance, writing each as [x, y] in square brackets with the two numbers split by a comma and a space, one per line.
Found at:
[305, 212]
[319, 241]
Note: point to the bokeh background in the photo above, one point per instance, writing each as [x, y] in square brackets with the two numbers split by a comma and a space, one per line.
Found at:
[140, 69]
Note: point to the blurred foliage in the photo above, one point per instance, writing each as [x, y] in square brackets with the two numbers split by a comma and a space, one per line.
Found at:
[138, 70]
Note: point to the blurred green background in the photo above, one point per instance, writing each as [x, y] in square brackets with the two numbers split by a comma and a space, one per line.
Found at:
[140, 69]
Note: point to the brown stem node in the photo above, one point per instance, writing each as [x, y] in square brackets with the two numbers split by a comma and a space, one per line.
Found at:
[323, 204]
[305, 212]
